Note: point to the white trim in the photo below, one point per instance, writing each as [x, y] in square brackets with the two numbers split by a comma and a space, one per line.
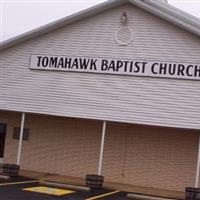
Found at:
[171, 14]
[198, 166]
[102, 148]
[20, 139]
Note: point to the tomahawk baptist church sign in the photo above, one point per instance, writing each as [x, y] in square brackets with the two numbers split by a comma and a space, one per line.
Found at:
[116, 66]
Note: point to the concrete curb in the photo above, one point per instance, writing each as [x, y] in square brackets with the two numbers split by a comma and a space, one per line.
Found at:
[67, 186]
[144, 197]
[4, 177]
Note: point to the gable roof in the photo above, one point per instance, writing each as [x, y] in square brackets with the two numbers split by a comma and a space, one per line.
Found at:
[157, 7]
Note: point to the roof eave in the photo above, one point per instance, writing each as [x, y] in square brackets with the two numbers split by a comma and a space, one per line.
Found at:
[61, 22]
[171, 14]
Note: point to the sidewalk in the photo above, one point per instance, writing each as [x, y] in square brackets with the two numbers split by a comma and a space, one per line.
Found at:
[113, 186]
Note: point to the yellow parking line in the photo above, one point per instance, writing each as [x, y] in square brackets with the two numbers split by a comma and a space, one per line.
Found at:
[103, 195]
[16, 183]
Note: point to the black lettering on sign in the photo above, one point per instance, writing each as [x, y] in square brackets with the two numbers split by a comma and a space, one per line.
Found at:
[84, 63]
[143, 66]
[75, 64]
[153, 68]
[93, 64]
[163, 68]
[126, 64]
[104, 65]
[53, 62]
[45, 61]
[61, 63]
[181, 69]
[197, 71]
[119, 65]
[137, 65]
[172, 69]
[111, 66]
[67, 63]
[39, 60]
[188, 70]
[130, 68]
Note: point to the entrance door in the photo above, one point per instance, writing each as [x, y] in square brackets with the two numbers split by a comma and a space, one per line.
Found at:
[2, 138]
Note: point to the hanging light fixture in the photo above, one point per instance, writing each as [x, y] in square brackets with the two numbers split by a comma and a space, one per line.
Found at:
[124, 18]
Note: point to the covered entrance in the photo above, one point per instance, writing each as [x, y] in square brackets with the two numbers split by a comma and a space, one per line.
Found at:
[2, 140]
[148, 156]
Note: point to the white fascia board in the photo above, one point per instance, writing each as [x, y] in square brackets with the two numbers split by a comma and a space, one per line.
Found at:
[175, 12]
[171, 14]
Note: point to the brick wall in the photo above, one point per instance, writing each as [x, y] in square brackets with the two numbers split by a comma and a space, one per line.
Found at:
[151, 156]
[57, 145]
[158, 157]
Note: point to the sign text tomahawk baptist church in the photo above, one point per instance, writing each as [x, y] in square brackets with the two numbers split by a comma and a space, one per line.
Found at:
[116, 66]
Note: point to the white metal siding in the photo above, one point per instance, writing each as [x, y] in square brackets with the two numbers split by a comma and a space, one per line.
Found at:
[141, 100]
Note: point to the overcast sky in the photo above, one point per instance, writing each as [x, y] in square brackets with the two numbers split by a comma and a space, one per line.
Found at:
[17, 17]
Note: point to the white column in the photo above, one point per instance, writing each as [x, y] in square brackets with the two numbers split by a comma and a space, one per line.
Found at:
[198, 167]
[20, 139]
[102, 148]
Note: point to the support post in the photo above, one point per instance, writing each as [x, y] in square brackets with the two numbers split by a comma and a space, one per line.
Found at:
[102, 148]
[198, 166]
[20, 139]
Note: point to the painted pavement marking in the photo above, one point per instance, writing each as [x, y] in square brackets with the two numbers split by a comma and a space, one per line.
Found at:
[49, 190]
[103, 195]
[18, 183]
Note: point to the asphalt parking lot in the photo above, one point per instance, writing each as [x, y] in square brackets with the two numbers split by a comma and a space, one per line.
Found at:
[29, 189]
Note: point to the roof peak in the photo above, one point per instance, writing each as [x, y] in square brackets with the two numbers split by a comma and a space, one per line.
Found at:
[156, 7]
